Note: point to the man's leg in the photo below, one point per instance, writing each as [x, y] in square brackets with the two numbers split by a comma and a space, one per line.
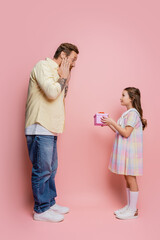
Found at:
[54, 166]
[41, 152]
[55, 207]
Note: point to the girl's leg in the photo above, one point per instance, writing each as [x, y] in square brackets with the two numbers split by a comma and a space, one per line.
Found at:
[127, 191]
[132, 183]
[127, 185]
[121, 210]
[131, 211]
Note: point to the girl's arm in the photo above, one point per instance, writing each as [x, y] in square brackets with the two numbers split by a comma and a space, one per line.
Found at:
[125, 132]
[111, 127]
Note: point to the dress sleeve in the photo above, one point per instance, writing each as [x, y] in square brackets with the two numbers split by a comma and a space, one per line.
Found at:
[132, 119]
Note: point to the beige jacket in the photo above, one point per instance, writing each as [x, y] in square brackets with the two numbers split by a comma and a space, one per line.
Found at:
[45, 101]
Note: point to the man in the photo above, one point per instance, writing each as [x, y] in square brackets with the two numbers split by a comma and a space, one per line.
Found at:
[48, 87]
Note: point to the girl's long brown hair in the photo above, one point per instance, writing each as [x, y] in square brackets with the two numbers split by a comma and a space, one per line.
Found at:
[135, 97]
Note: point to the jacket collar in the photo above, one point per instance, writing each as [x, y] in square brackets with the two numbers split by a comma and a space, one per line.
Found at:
[52, 62]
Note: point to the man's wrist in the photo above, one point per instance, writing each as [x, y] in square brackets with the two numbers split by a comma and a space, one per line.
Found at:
[66, 90]
[62, 82]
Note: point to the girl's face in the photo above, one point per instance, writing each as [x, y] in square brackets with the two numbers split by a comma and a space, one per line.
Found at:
[125, 100]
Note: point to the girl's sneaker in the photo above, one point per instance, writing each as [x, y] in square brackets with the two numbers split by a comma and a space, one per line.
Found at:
[128, 214]
[121, 210]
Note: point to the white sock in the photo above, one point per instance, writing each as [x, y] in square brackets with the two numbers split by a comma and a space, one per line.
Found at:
[128, 196]
[133, 200]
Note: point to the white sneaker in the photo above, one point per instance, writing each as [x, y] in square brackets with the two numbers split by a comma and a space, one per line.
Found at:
[128, 214]
[121, 210]
[48, 216]
[59, 209]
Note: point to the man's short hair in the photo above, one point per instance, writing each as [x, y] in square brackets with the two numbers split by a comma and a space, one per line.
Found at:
[66, 48]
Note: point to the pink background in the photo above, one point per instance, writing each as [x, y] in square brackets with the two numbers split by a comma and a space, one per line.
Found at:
[119, 47]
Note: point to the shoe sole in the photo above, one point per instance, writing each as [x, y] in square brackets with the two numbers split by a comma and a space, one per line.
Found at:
[126, 218]
[124, 211]
[43, 220]
[132, 217]
[55, 211]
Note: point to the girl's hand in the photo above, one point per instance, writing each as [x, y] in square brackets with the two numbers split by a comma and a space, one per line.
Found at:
[106, 121]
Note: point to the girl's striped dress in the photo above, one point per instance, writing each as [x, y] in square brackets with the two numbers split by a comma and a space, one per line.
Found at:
[127, 155]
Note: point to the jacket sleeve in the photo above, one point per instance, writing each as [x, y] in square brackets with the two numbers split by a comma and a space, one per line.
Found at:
[46, 81]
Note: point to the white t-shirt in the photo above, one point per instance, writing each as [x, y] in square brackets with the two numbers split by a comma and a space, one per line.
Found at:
[37, 129]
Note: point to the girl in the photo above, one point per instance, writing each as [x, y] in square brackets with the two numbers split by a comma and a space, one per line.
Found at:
[127, 158]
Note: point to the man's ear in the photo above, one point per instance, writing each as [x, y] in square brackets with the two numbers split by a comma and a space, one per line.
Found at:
[62, 55]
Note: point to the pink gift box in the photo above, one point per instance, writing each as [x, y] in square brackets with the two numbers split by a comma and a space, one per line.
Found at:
[97, 118]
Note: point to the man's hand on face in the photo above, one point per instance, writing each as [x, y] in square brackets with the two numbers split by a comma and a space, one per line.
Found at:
[68, 79]
[64, 69]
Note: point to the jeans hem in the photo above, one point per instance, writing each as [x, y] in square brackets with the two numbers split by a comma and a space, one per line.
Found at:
[52, 203]
[42, 210]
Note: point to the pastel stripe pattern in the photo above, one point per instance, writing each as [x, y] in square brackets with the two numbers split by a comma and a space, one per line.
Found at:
[127, 155]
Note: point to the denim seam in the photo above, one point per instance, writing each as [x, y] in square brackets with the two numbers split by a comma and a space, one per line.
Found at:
[37, 150]
[54, 150]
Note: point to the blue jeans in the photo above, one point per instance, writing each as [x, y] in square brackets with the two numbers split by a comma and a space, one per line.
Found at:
[43, 155]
